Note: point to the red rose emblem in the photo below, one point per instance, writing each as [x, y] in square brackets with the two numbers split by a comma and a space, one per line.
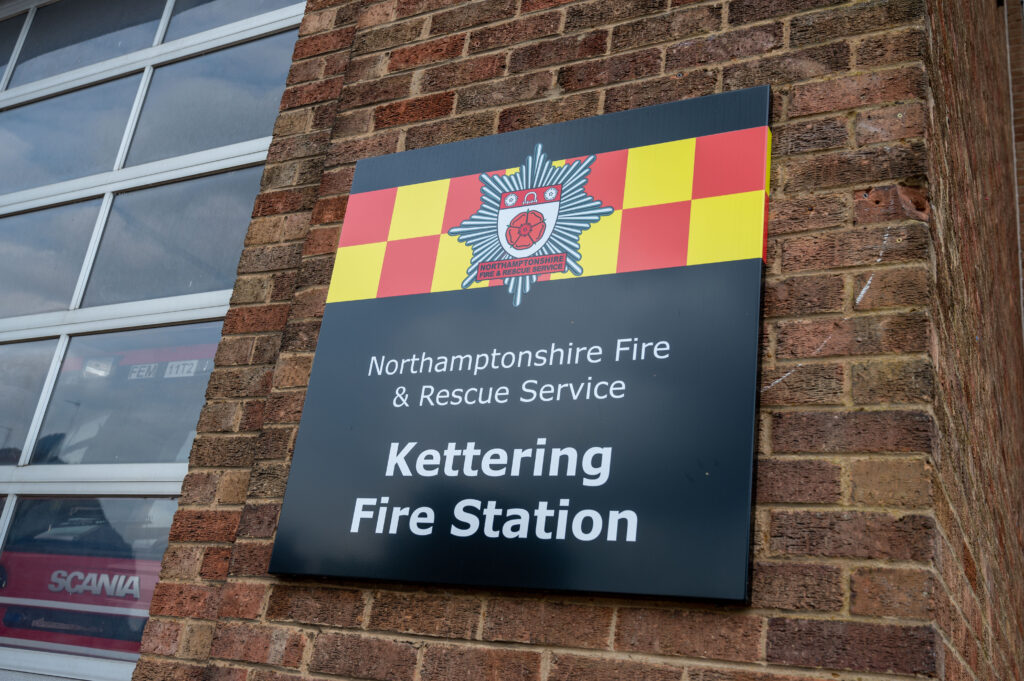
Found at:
[525, 229]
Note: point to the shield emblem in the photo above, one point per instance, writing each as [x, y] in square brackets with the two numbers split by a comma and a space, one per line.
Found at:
[526, 219]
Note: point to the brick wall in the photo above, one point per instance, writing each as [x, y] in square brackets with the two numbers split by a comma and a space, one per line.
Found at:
[886, 508]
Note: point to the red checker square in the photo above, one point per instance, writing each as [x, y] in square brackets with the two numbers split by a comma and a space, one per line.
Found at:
[368, 217]
[730, 163]
[653, 237]
[408, 266]
[607, 179]
[463, 201]
[496, 282]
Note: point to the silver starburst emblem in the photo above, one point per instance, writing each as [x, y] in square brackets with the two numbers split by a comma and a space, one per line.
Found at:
[529, 223]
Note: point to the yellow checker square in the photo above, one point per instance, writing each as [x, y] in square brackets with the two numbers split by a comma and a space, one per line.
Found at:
[419, 210]
[356, 273]
[451, 264]
[599, 246]
[659, 173]
[729, 227]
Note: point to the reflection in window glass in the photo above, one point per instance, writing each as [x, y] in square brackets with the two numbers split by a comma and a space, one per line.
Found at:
[43, 253]
[9, 30]
[193, 16]
[23, 368]
[64, 137]
[128, 397]
[70, 34]
[80, 572]
[172, 240]
[220, 98]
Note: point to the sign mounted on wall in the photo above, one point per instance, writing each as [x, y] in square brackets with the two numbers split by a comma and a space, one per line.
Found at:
[538, 361]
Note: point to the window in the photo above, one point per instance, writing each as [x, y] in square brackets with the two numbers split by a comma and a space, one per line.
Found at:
[132, 137]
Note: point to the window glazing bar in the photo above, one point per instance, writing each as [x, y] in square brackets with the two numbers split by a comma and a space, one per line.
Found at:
[57, 664]
[91, 250]
[41, 404]
[5, 78]
[165, 21]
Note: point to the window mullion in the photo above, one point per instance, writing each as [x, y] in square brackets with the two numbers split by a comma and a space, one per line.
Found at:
[90, 251]
[44, 400]
[5, 518]
[165, 21]
[16, 53]
[133, 117]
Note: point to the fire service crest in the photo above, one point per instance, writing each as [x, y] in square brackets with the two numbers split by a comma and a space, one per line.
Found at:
[529, 223]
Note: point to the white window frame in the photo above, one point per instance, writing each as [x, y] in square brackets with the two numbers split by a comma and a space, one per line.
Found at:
[111, 479]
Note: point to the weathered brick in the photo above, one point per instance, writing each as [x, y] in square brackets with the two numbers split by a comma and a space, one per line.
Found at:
[578, 668]
[840, 168]
[388, 36]
[429, 614]
[241, 600]
[712, 674]
[850, 92]
[890, 203]
[903, 287]
[899, 483]
[507, 91]
[199, 487]
[660, 90]
[269, 258]
[547, 623]
[803, 384]
[429, 52]
[857, 431]
[284, 201]
[414, 110]
[903, 121]
[600, 12]
[215, 563]
[321, 43]
[258, 643]
[160, 637]
[896, 381]
[233, 351]
[623, 67]
[854, 247]
[463, 72]
[250, 559]
[470, 15]
[181, 561]
[350, 150]
[680, 23]
[311, 93]
[372, 92]
[555, 111]
[558, 51]
[851, 534]
[268, 480]
[804, 295]
[868, 17]
[297, 146]
[239, 381]
[336, 181]
[804, 137]
[204, 526]
[797, 586]
[791, 67]
[855, 646]
[184, 600]
[798, 482]
[164, 670]
[363, 657]
[724, 47]
[520, 30]
[259, 520]
[798, 214]
[892, 48]
[691, 633]
[219, 417]
[852, 336]
[463, 663]
[316, 605]
[891, 592]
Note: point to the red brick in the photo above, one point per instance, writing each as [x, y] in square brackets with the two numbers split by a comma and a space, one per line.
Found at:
[184, 600]
[198, 488]
[802, 384]
[547, 623]
[463, 663]
[297, 146]
[804, 137]
[450, 130]
[372, 92]
[268, 480]
[895, 381]
[388, 36]
[854, 645]
[556, 111]
[363, 657]
[269, 258]
[858, 431]
[890, 203]
[558, 51]
[312, 93]
[744, 11]
[804, 295]
[904, 287]
[600, 12]
[250, 559]
[204, 526]
[690, 633]
[797, 586]
[317, 22]
[660, 90]
[849, 534]
[329, 209]
[903, 121]
[895, 483]
[566, 667]
[841, 168]
[429, 52]
[375, 14]
[681, 23]
[798, 214]
[258, 318]
[790, 67]
[316, 605]
[798, 481]
[215, 562]
[710, 674]
[258, 643]
[471, 14]
[534, 5]
[181, 561]
[414, 110]
[853, 336]
[160, 637]
[350, 150]
[892, 48]
[891, 592]
[163, 670]
[231, 351]
[259, 520]
[241, 600]
[868, 17]
[429, 614]
[337, 181]
[724, 47]
[519, 30]
[506, 91]
[855, 247]
[856, 91]
[615, 69]
[321, 43]
[285, 201]
[321, 241]
[462, 72]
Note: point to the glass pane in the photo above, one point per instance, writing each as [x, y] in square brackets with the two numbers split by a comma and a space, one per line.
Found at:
[126, 397]
[221, 98]
[9, 30]
[23, 368]
[69, 136]
[70, 34]
[43, 253]
[80, 572]
[193, 16]
[176, 239]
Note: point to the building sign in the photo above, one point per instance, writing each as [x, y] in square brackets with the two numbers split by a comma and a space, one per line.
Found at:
[538, 361]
